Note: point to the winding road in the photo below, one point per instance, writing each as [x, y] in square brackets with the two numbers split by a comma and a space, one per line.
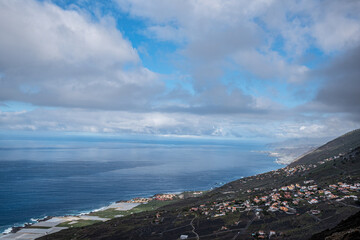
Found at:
[193, 230]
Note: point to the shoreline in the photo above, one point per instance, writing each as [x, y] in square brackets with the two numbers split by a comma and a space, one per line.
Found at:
[50, 224]
[41, 219]
[34, 221]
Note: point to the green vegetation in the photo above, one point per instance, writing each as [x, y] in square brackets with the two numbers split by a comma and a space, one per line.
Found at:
[153, 205]
[230, 219]
[112, 212]
[108, 213]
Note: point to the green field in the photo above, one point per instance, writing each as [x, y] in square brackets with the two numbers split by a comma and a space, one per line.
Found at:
[112, 212]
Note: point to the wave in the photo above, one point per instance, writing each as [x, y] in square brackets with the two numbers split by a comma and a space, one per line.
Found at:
[8, 230]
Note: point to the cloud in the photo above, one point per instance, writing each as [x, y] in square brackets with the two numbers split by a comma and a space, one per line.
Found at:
[234, 55]
[64, 58]
[214, 32]
[243, 126]
[338, 26]
[216, 100]
[331, 26]
[340, 94]
[266, 39]
[270, 65]
[56, 57]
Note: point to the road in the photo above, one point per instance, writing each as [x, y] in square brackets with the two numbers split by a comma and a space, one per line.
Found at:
[314, 217]
[345, 204]
[245, 228]
[193, 230]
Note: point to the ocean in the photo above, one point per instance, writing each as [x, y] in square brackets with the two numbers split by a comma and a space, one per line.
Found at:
[59, 176]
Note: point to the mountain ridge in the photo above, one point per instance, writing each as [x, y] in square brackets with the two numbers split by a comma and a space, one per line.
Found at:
[342, 143]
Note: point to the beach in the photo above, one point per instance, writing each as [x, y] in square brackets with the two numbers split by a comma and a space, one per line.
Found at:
[54, 224]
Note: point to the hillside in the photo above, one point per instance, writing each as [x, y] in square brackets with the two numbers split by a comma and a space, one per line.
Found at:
[341, 144]
[295, 202]
[348, 229]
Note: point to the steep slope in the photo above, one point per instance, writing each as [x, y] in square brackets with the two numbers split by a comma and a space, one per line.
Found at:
[348, 229]
[341, 144]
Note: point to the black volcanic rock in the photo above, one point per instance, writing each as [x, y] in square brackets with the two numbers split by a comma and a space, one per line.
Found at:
[348, 229]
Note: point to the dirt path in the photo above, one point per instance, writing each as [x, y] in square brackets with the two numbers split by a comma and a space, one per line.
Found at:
[193, 230]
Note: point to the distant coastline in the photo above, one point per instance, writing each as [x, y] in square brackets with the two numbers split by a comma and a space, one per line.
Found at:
[285, 155]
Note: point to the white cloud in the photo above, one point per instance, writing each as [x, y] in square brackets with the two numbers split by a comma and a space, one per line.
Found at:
[331, 25]
[56, 57]
[61, 57]
[216, 31]
[338, 27]
[39, 33]
[270, 65]
[246, 126]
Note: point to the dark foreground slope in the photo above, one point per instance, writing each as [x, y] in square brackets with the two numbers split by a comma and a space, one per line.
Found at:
[294, 202]
[348, 229]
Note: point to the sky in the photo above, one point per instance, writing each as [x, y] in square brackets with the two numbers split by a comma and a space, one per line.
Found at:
[233, 69]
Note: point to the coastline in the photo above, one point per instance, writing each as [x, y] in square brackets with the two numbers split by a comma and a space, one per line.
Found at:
[51, 224]
[41, 222]
[35, 221]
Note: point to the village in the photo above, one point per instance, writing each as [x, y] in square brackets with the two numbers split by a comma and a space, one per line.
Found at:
[285, 199]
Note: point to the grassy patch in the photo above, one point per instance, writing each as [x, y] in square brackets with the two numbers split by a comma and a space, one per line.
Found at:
[108, 213]
[153, 205]
[231, 218]
[112, 212]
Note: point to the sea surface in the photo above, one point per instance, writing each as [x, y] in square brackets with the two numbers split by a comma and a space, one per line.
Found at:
[53, 177]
